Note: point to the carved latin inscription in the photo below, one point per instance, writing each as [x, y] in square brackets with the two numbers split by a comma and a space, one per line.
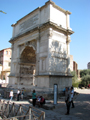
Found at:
[29, 23]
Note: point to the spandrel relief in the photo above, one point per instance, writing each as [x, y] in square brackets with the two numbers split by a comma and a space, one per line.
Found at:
[32, 44]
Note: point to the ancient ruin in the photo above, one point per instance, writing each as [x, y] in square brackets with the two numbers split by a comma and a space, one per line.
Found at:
[40, 49]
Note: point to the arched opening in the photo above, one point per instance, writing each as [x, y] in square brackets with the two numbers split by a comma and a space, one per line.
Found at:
[27, 66]
[28, 55]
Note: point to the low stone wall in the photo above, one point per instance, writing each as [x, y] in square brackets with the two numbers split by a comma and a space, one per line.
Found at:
[28, 94]
[46, 95]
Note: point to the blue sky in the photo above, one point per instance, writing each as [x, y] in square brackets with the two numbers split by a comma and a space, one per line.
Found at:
[79, 22]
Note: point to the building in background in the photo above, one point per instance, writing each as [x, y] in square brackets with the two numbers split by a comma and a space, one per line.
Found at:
[88, 65]
[0, 70]
[5, 61]
[74, 66]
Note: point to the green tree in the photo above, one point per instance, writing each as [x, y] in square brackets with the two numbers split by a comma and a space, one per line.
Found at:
[84, 72]
[85, 80]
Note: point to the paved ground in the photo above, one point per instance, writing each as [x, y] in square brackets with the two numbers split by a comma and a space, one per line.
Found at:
[80, 112]
[82, 106]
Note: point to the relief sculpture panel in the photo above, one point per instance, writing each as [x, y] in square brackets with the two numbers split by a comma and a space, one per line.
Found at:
[26, 70]
[27, 74]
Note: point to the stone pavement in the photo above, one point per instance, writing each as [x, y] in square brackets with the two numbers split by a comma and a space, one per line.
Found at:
[80, 112]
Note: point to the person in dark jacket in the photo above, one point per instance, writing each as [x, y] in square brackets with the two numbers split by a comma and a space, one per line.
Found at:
[67, 100]
[18, 95]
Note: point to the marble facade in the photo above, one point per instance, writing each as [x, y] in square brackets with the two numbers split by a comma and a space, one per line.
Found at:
[40, 48]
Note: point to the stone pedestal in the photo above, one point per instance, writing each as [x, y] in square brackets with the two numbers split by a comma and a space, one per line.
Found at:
[48, 81]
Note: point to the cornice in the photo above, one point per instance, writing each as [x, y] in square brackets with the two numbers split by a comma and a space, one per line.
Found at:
[21, 35]
[57, 7]
[42, 27]
[58, 28]
[55, 75]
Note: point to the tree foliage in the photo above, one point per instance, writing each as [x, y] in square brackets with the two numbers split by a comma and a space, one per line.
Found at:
[74, 78]
[84, 72]
[85, 80]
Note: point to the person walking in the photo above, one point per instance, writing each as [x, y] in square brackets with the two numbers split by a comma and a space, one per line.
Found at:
[72, 94]
[11, 95]
[22, 94]
[67, 100]
[18, 95]
[34, 97]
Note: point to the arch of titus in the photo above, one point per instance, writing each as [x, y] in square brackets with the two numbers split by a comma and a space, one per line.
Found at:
[40, 49]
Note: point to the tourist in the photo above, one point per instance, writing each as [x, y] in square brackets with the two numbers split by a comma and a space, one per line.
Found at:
[38, 99]
[72, 94]
[67, 100]
[18, 95]
[41, 101]
[11, 95]
[64, 90]
[22, 94]
[34, 97]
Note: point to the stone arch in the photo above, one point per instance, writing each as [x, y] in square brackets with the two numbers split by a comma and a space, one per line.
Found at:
[25, 47]
[27, 66]
[28, 55]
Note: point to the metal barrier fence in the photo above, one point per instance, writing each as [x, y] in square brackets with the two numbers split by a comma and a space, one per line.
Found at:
[13, 111]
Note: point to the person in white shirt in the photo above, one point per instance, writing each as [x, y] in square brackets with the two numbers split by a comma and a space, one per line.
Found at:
[72, 94]
[11, 95]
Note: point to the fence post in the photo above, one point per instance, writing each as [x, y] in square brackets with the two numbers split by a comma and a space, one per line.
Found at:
[29, 113]
[13, 107]
[0, 104]
[43, 115]
[7, 108]
[3, 107]
[20, 111]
